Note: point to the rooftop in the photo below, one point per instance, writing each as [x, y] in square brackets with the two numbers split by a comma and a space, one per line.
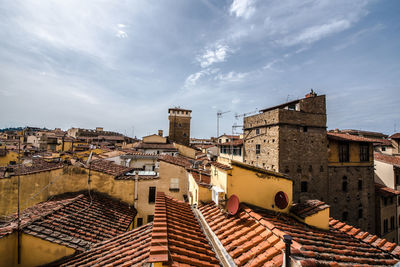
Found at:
[75, 220]
[389, 159]
[349, 137]
[254, 237]
[109, 167]
[129, 249]
[386, 191]
[36, 167]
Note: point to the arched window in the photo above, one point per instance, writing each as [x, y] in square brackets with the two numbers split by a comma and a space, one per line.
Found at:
[360, 212]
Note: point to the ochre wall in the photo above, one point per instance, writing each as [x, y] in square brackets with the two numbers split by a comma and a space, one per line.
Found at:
[154, 139]
[186, 151]
[255, 190]
[354, 154]
[69, 179]
[319, 219]
[218, 177]
[10, 156]
[34, 251]
[167, 171]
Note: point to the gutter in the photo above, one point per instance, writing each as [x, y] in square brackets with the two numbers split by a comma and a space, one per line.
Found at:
[223, 256]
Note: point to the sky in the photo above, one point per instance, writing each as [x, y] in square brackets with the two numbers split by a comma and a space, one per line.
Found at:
[121, 64]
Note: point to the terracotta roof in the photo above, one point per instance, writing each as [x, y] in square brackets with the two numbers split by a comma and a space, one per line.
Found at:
[395, 136]
[247, 241]
[128, 249]
[177, 237]
[37, 166]
[177, 160]
[201, 178]
[383, 142]
[254, 237]
[386, 191]
[393, 160]
[168, 147]
[238, 142]
[349, 137]
[221, 166]
[308, 207]
[109, 167]
[74, 220]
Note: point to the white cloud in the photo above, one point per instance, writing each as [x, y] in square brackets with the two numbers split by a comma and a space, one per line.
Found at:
[236, 101]
[242, 8]
[316, 33]
[231, 76]
[214, 55]
[121, 34]
[121, 25]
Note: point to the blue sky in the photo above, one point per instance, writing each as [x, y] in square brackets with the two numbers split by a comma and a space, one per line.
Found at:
[122, 64]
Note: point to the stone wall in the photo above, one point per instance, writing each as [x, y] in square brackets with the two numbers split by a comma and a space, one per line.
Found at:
[355, 198]
[179, 129]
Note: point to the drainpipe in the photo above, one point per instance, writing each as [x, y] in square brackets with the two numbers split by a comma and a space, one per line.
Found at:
[287, 239]
[136, 189]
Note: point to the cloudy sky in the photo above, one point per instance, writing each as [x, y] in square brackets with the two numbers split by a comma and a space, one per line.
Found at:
[121, 64]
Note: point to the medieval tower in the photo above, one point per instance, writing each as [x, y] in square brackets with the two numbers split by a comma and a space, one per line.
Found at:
[179, 125]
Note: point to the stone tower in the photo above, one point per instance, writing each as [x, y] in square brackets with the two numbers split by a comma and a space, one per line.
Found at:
[179, 125]
[291, 138]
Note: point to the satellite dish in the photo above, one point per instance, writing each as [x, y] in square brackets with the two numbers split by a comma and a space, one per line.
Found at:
[233, 205]
[281, 200]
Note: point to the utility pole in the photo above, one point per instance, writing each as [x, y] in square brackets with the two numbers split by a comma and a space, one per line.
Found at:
[219, 116]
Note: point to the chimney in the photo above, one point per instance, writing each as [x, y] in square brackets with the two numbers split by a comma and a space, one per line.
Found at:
[311, 94]
[160, 133]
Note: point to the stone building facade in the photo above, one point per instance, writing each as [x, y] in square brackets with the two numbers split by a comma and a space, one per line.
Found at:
[179, 125]
[292, 139]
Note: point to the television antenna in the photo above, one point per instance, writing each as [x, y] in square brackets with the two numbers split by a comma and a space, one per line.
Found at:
[237, 116]
[219, 116]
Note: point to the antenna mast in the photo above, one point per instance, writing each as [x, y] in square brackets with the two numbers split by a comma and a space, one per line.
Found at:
[219, 116]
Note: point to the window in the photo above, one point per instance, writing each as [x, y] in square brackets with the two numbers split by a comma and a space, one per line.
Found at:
[292, 107]
[220, 149]
[152, 194]
[359, 185]
[385, 226]
[226, 140]
[385, 202]
[397, 179]
[345, 216]
[257, 131]
[179, 125]
[392, 223]
[305, 129]
[391, 200]
[258, 148]
[240, 151]
[364, 152]
[304, 186]
[360, 213]
[174, 185]
[343, 152]
[150, 218]
[139, 222]
[344, 184]
[383, 148]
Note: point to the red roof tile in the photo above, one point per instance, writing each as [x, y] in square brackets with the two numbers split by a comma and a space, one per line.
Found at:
[177, 160]
[254, 236]
[349, 137]
[384, 190]
[109, 167]
[307, 208]
[37, 166]
[169, 147]
[201, 178]
[74, 220]
[395, 136]
[128, 249]
[177, 237]
[238, 142]
[221, 166]
[389, 159]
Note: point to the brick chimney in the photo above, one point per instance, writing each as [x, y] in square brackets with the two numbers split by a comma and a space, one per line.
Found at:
[311, 94]
[160, 133]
